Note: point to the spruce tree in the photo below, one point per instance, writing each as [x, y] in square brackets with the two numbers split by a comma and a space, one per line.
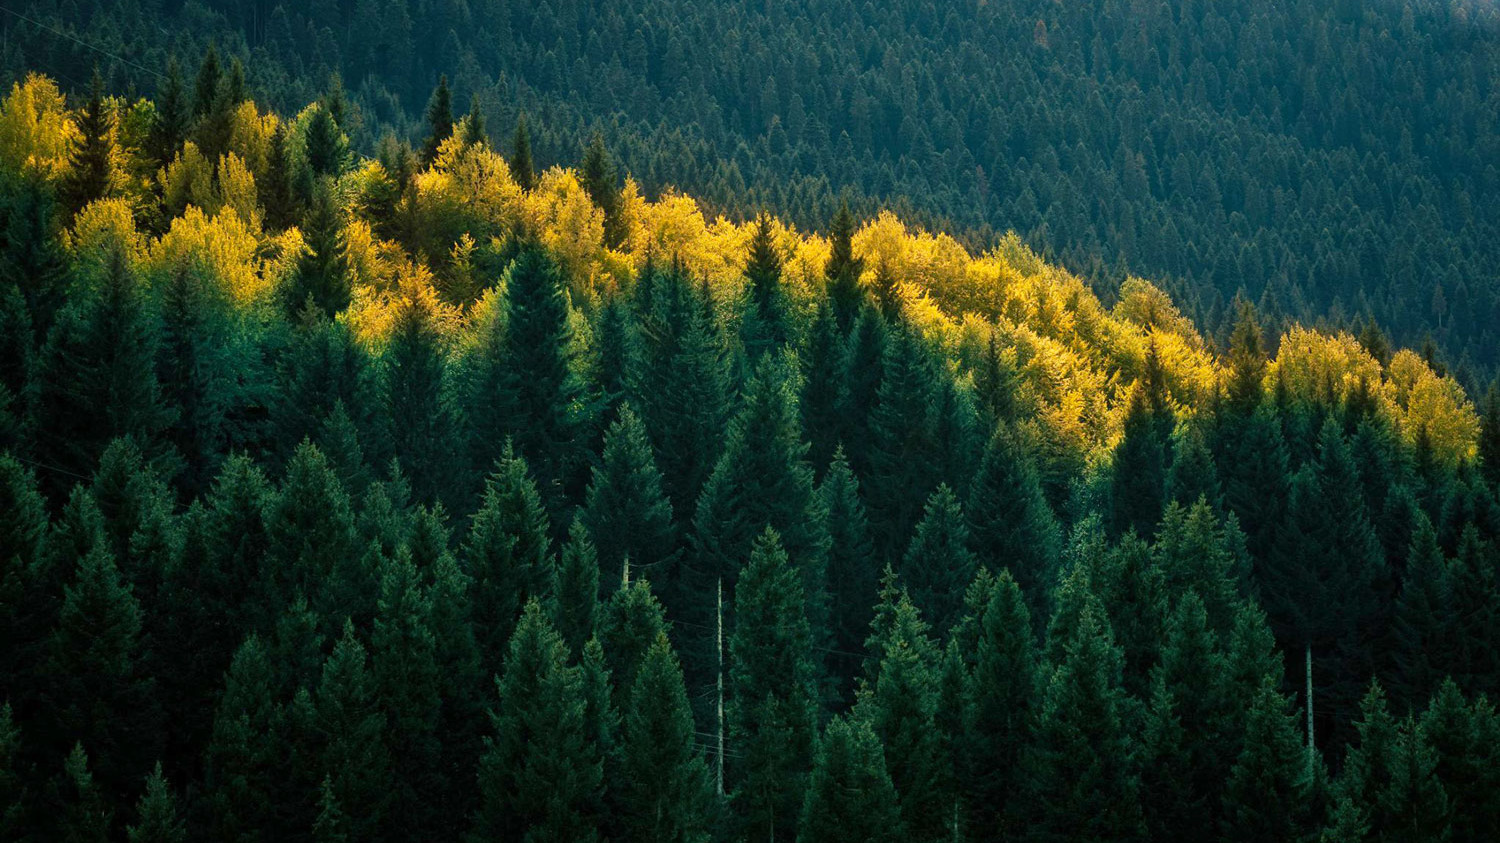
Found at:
[861, 374]
[241, 763]
[539, 775]
[1083, 784]
[903, 451]
[772, 712]
[1138, 474]
[1489, 435]
[763, 325]
[421, 425]
[843, 270]
[628, 625]
[173, 111]
[157, 817]
[1268, 795]
[999, 708]
[326, 147]
[508, 555]
[439, 121]
[616, 343]
[323, 278]
[92, 168]
[822, 388]
[576, 593]
[1194, 553]
[25, 578]
[901, 707]
[667, 794]
[1423, 621]
[1010, 524]
[84, 813]
[309, 527]
[348, 722]
[1461, 736]
[852, 573]
[322, 367]
[521, 168]
[938, 565]
[601, 182]
[626, 508]
[1193, 475]
[404, 667]
[849, 794]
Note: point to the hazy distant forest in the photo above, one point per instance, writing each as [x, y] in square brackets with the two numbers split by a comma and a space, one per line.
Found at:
[377, 463]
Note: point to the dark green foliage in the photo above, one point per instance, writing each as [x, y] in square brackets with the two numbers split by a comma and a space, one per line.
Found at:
[938, 565]
[849, 794]
[1010, 523]
[852, 573]
[1268, 794]
[508, 556]
[903, 451]
[327, 149]
[85, 813]
[998, 698]
[1138, 475]
[627, 510]
[91, 174]
[823, 388]
[323, 277]
[601, 182]
[439, 120]
[347, 722]
[667, 794]
[521, 168]
[843, 270]
[157, 816]
[420, 423]
[772, 712]
[173, 111]
[1423, 628]
[1193, 475]
[763, 326]
[628, 625]
[309, 527]
[540, 774]
[575, 596]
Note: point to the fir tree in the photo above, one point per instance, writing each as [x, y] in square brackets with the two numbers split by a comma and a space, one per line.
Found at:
[629, 623]
[85, 814]
[849, 794]
[601, 182]
[772, 714]
[348, 722]
[851, 571]
[92, 169]
[439, 121]
[173, 111]
[843, 270]
[576, 594]
[1268, 794]
[1138, 475]
[938, 565]
[539, 774]
[309, 527]
[998, 709]
[327, 149]
[508, 555]
[626, 507]
[421, 424]
[903, 451]
[240, 764]
[763, 326]
[521, 168]
[667, 794]
[1423, 623]
[822, 388]
[1010, 523]
[1193, 475]
[157, 818]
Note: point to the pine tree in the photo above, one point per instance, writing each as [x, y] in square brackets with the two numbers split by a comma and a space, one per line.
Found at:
[843, 270]
[508, 554]
[85, 814]
[628, 624]
[1194, 553]
[667, 794]
[903, 451]
[576, 594]
[1423, 623]
[761, 480]
[1268, 796]
[1138, 475]
[938, 565]
[1489, 435]
[331, 826]
[326, 147]
[822, 388]
[1083, 784]
[526, 384]
[173, 111]
[539, 774]
[1010, 524]
[901, 706]
[439, 121]
[309, 526]
[998, 709]
[348, 721]
[627, 509]
[1253, 454]
[601, 182]
[1461, 737]
[851, 571]
[241, 763]
[861, 374]
[521, 168]
[157, 818]
[322, 367]
[25, 578]
[421, 424]
[763, 325]
[278, 186]
[616, 344]
[1415, 804]
[772, 713]
[96, 377]
[1193, 475]
[849, 794]
[91, 168]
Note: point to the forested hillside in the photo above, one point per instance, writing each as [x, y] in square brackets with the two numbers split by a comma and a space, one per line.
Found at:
[1332, 160]
[436, 495]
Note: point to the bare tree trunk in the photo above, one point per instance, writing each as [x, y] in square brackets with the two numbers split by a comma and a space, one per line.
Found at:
[720, 642]
[1312, 752]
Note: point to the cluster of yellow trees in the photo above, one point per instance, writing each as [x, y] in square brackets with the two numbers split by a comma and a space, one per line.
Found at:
[1077, 359]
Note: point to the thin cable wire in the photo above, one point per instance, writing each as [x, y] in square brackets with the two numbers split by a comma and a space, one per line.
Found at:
[80, 42]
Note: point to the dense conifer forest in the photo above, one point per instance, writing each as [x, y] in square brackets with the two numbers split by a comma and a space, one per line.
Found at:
[1333, 161]
[468, 490]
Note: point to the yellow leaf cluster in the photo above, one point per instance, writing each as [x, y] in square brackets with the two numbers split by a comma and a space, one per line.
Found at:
[36, 133]
[223, 249]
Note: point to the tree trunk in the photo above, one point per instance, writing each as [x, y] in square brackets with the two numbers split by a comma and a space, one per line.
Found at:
[1312, 751]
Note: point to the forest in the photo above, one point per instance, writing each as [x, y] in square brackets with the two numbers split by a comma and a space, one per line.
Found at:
[1333, 162]
[436, 494]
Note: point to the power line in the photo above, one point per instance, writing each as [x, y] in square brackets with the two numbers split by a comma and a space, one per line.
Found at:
[80, 42]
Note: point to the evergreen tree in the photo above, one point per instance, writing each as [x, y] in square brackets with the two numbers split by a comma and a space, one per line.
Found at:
[96, 377]
[903, 451]
[521, 168]
[322, 367]
[539, 774]
[421, 424]
[92, 168]
[628, 625]
[1010, 524]
[1268, 796]
[601, 182]
[772, 712]
[278, 186]
[763, 325]
[938, 566]
[405, 672]
[241, 763]
[822, 388]
[576, 594]
[1489, 435]
[1083, 784]
[851, 571]
[309, 527]
[1193, 475]
[1138, 475]
[13, 786]
[901, 706]
[667, 794]
[157, 818]
[173, 111]
[348, 722]
[1461, 737]
[26, 577]
[323, 277]
[85, 814]
[843, 270]
[1423, 623]
[849, 794]
[998, 709]
[439, 121]
[508, 555]
[861, 374]
[326, 147]
[616, 342]
[626, 507]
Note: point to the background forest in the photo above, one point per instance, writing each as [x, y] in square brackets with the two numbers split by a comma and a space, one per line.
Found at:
[1335, 161]
[447, 485]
